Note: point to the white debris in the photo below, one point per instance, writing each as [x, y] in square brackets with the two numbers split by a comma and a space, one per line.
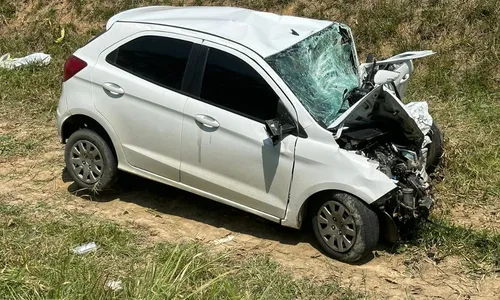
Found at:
[419, 111]
[427, 141]
[223, 240]
[9, 63]
[114, 285]
[85, 248]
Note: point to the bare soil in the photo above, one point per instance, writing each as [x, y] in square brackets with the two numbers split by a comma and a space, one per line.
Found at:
[171, 215]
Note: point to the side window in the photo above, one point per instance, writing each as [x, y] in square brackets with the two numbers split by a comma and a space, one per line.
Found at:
[233, 84]
[160, 60]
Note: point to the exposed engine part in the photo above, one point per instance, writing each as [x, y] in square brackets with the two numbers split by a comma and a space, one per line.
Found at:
[408, 197]
[425, 205]
[407, 167]
[400, 169]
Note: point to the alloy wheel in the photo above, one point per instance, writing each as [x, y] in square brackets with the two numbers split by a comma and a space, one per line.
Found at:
[86, 161]
[336, 226]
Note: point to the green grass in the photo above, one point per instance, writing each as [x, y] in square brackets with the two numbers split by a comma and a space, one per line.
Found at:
[461, 83]
[479, 249]
[10, 146]
[36, 262]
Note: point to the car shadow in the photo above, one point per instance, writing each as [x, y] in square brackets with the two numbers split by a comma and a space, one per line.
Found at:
[172, 201]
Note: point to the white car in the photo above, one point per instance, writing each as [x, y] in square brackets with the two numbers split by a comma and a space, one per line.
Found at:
[270, 114]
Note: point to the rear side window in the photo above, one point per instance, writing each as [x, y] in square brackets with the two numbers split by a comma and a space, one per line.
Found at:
[160, 60]
[231, 83]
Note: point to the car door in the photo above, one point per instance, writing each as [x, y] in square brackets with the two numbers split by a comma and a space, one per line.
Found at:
[225, 148]
[137, 87]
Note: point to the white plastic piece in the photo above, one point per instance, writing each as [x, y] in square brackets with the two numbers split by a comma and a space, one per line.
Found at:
[41, 59]
[224, 240]
[85, 248]
[405, 56]
[384, 77]
[419, 111]
[114, 285]
[427, 141]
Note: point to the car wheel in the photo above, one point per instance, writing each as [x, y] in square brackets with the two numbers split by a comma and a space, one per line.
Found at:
[345, 228]
[90, 161]
[435, 149]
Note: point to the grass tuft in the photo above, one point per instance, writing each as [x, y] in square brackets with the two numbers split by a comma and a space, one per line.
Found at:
[461, 83]
[480, 249]
[11, 146]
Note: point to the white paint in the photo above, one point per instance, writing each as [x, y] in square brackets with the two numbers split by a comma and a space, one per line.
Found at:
[156, 136]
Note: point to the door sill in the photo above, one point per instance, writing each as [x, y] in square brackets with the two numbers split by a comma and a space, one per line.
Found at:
[182, 186]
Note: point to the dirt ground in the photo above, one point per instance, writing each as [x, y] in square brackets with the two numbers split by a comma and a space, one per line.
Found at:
[168, 214]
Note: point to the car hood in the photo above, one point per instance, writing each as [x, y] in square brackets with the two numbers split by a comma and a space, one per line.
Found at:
[382, 106]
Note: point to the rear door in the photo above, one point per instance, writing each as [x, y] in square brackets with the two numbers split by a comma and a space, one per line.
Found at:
[225, 148]
[138, 88]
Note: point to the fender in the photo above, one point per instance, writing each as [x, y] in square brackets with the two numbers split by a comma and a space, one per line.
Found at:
[327, 167]
[104, 123]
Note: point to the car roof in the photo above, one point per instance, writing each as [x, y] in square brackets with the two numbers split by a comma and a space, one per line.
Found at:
[263, 32]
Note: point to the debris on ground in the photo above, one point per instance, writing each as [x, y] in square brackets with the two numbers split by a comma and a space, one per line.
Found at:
[85, 248]
[9, 63]
[11, 223]
[114, 285]
[61, 38]
[223, 240]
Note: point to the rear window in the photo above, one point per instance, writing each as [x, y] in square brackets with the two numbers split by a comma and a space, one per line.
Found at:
[160, 60]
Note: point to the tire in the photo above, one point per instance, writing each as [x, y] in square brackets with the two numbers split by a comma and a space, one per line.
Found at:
[90, 161]
[435, 149]
[361, 220]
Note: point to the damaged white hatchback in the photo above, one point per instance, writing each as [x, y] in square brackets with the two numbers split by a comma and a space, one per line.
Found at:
[270, 114]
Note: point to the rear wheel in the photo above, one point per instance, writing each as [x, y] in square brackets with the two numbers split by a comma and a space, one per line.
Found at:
[435, 149]
[345, 228]
[90, 161]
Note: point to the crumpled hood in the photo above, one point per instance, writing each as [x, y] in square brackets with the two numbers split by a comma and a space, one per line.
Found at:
[383, 107]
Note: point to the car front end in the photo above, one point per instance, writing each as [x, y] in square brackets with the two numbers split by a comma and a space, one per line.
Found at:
[361, 106]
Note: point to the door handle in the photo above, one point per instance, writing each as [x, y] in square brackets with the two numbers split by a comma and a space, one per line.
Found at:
[113, 88]
[207, 121]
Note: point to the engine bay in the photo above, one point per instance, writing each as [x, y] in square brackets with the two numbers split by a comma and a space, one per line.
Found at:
[407, 168]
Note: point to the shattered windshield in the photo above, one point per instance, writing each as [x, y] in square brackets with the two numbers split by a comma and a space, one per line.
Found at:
[320, 72]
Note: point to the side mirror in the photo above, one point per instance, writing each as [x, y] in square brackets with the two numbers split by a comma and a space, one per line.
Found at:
[279, 128]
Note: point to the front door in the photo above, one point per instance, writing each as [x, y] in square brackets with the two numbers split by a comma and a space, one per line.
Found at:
[225, 148]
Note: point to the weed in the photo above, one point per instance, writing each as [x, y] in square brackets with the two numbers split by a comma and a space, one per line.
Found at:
[10, 146]
[461, 83]
[480, 249]
[7, 10]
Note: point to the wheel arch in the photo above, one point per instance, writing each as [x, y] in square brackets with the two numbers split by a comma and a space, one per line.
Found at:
[304, 211]
[80, 121]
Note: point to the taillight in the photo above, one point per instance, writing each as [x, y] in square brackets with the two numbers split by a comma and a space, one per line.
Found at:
[72, 66]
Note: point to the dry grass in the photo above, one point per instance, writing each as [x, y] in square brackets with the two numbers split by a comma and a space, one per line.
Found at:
[37, 263]
[461, 83]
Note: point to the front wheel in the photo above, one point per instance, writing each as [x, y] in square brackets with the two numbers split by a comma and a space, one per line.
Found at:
[435, 149]
[345, 228]
[90, 161]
